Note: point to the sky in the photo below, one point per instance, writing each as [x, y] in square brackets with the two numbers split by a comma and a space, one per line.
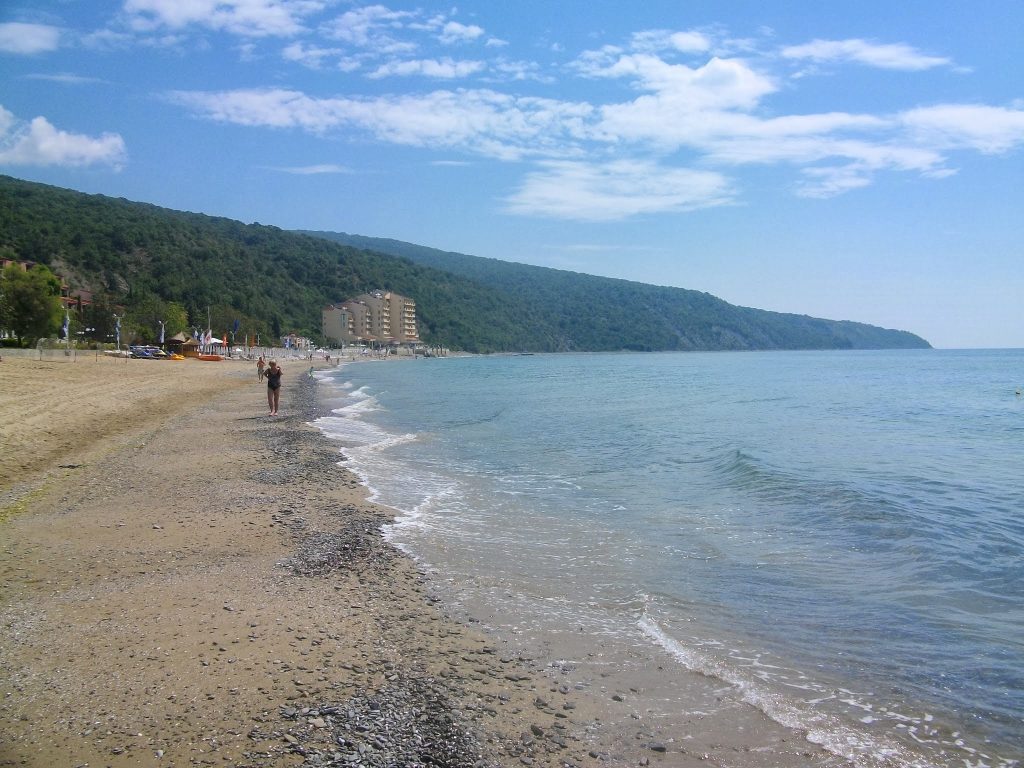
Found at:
[850, 160]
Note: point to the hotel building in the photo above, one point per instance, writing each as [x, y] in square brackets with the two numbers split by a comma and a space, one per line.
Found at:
[378, 316]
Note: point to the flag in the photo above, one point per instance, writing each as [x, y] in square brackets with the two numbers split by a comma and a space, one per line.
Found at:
[161, 331]
[67, 322]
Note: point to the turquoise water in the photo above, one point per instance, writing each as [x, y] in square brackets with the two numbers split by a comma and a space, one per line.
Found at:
[836, 536]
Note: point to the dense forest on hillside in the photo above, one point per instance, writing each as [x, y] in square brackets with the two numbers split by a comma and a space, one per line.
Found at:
[271, 280]
[132, 254]
[590, 312]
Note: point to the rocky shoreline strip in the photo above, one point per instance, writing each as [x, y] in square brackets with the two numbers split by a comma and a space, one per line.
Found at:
[458, 702]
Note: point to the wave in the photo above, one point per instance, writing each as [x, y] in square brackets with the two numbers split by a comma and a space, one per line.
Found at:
[883, 564]
[828, 732]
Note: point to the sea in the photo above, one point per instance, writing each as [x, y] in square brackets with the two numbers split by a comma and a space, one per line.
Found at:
[828, 541]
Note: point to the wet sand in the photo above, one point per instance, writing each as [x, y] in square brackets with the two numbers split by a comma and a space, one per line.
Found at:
[186, 581]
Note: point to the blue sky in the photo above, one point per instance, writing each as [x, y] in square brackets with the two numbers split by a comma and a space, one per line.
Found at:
[851, 160]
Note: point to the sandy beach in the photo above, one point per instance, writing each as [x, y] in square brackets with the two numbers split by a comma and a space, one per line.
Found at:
[186, 581]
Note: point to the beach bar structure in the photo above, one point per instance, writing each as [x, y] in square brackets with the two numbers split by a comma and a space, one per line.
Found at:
[378, 316]
[183, 345]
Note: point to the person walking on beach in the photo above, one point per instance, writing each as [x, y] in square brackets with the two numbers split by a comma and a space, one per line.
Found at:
[259, 368]
[274, 373]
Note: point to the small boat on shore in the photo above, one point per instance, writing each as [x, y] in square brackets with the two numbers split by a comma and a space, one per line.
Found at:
[211, 357]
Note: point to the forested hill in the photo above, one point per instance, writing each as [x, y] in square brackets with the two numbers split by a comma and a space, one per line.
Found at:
[135, 256]
[146, 260]
[598, 313]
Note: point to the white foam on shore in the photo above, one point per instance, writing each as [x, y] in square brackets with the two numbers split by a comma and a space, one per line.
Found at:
[389, 482]
[430, 506]
[860, 748]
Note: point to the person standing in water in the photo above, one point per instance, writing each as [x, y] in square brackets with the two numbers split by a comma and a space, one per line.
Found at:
[273, 375]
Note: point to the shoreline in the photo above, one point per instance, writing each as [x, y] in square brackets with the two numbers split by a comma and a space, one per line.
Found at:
[635, 698]
[201, 584]
[206, 585]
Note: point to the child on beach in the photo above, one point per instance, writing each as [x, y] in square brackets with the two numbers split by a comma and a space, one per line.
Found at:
[273, 374]
[259, 368]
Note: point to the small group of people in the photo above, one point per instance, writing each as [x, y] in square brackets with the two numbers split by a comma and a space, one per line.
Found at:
[272, 373]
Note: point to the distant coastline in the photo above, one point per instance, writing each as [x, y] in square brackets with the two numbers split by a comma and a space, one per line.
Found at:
[124, 253]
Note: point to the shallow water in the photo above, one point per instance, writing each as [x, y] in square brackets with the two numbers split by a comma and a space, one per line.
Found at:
[836, 537]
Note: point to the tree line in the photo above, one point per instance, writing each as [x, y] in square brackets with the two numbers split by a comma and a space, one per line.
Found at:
[145, 264]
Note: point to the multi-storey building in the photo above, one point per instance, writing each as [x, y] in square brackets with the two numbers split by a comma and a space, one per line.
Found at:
[380, 316]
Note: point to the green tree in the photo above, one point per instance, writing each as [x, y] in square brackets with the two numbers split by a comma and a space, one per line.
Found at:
[176, 317]
[146, 314]
[98, 318]
[30, 305]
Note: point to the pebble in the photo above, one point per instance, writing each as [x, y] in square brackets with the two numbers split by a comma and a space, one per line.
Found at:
[409, 722]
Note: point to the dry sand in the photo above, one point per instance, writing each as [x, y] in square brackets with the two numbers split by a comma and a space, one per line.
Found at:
[186, 581]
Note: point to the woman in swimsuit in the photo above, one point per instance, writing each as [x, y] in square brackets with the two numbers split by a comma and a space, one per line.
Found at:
[273, 375]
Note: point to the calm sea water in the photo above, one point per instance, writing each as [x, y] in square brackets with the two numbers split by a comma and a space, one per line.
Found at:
[837, 537]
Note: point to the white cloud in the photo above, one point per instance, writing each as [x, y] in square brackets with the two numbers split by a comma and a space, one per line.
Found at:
[444, 69]
[314, 170]
[454, 32]
[714, 110]
[829, 181]
[40, 143]
[805, 150]
[310, 55]
[379, 31]
[255, 18]
[618, 190]
[479, 121]
[717, 111]
[16, 37]
[885, 56]
[656, 40]
[372, 26]
[690, 42]
[502, 69]
[720, 83]
[268, 108]
[987, 129]
[107, 39]
[66, 78]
